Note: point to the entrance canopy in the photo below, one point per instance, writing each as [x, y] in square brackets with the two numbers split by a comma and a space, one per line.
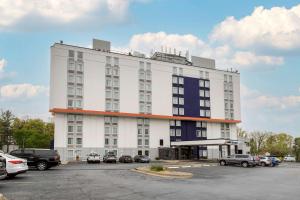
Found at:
[202, 142]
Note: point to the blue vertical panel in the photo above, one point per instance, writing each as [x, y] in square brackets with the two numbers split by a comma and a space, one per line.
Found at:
[191, 97]
[188, 131]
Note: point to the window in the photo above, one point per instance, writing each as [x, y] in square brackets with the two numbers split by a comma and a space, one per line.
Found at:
[172, 132]
[204, 124]
[79, 91]
[78, 140]
[71, 91]
[175, 90]
[140, 130]
[79, 67]
[108, 71]
[207, 103]
[148, 97]
[142, 108]
[71, 78]
[207, 113]
[178, 132]
[146, 152]
[201, 93]
[107, 120]
[116, 71]
[146, 121]
[142, 74]
[116, 82]
[172, 123]
[114, 120]
[108, 59]
[175, 79]
[71, 53]
[79, 118]
[202, 113]
[148, 75]
[225, 78]
[175, 100]
[203, 133]
[175, 111]
[115, 141]
[71, 118]
[108, 82]
[202, 103]
[140, 152]
[142, 97]
[71, 65]
[201, 83]
[230, 78]
[178, 123]
[148, 86]
[180, 90]
[116, 61]
[181, 101]
[181, 80]
[181, 111]
[78, 104]
[116, 94]
[198, 133]
[139, 142]
[198, 124]
[70, 103]
[79, 79]
[70, 140]
[116, 106]
[106, 141]
[161, 142]
[146, 131]
[142, 65]
[148, 108]
[146, 142]
[107, 129]
[79, 55]
[108, 105]
[79, 129]
[148, 66]
[115, 129]
[207, 84]
[70, 129]
[206, 93]
[108, 94]
[142, 85]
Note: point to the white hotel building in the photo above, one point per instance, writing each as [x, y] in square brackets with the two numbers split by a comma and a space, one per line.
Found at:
[165, 105]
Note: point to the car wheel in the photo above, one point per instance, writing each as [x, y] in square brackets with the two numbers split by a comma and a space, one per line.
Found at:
[11, 175]
[222, 163]
[244, 164]
[263, 164]
[41, 166]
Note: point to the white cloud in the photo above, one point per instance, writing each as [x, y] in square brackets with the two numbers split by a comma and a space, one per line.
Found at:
[30, 13]
[225, 56]
[2, 65]
[24, 90]
[277, 28]
[3, 73]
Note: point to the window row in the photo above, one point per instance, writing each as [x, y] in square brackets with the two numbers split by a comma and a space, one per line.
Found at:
[178, 71]
[72, 118]
[175, 123]
[200, 124]
[111, 120]
[109, 60]
[178, 100]
[204, 103]
[72, 78]
[111, 141]
[225, 134]
[73, 129]
[142, 66]
[228, 95]
[145, 97]
[178, 80]
[228, 86]
[112, 94]
[175, 132]
[145, 85]
[204, 93]
[178, 111]
[112, 105]
[201, 133]
[74, 103]
[75, 91]
[111, 129]
[203, 83]
[178, 90]
[140, 142]
[72, 65]
[71, 141]
[145, 75]
[229, 114]
[228, 105]
[141, 121]
[204, 75]
[145, 107]
[204, 113]
[143, 130]
[112, 82]
[227, 78]
[112, 71]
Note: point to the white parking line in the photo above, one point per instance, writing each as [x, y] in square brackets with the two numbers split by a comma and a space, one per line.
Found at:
[173, 167]
[186, 166]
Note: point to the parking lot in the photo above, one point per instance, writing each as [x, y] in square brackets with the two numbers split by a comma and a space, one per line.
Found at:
[117, 181]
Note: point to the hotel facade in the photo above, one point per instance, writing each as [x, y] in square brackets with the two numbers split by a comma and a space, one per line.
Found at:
[166, 106]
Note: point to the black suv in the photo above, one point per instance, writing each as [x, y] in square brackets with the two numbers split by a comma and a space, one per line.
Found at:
[42, 159]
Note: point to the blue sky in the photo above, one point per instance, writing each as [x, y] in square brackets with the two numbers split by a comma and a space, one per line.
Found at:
[259, 38]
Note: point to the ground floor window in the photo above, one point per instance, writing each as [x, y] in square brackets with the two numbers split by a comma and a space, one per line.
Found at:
[146, 152]
[140, 152]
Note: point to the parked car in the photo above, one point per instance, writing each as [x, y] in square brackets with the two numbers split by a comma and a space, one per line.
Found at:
[243, 160]
[125, 159]
[289, 158]
[93, 158]
[265, 161]
[3, 172]
[110, 157]
[141, 159]
[277, 160]
[42, 159]
[14, 165]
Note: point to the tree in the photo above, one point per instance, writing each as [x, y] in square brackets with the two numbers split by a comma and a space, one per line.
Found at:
[279, 144]
[257, 142]
[297, 148]
[6, 120]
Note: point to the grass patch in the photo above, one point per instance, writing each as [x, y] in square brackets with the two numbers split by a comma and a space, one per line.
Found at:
[157, 168]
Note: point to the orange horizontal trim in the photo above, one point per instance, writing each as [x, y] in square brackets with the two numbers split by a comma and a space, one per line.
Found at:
[150, 116]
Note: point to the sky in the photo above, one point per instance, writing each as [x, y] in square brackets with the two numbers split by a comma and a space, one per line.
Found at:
[261, 39]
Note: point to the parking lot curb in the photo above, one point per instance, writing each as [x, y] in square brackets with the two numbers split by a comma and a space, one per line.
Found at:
[164, 174]
[2, 197]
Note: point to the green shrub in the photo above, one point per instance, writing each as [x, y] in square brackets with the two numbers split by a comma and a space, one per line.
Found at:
[157, 168]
